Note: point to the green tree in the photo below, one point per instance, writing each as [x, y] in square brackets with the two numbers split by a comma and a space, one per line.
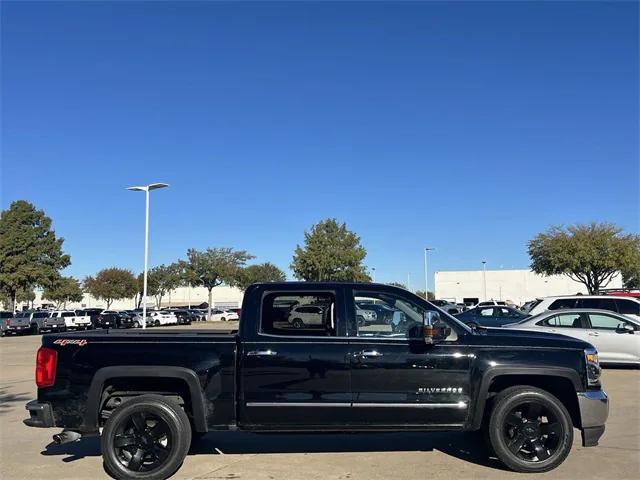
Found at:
[631, 273]
[22, 295]
[63, 290]
[591, 254]
[213, 267]
[112, 284]
[30, 253]
[430, 295]
[163, 279]
[330, 253]
[260, 273]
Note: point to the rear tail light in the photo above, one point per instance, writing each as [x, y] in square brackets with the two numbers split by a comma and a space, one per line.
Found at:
[46, 363]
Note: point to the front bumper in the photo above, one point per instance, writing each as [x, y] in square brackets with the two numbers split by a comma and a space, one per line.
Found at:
[594, 410]
[40, 415]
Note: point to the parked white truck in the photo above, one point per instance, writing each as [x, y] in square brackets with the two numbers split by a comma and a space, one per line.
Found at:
[73, 320]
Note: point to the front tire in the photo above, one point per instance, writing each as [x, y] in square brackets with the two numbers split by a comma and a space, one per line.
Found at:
[530, 430]
[146, 438]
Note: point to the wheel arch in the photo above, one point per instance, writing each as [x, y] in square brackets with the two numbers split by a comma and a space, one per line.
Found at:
[109, 374]
[563, 383]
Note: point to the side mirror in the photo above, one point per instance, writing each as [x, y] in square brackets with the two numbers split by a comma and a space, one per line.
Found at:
[625, 328]
[428, 320]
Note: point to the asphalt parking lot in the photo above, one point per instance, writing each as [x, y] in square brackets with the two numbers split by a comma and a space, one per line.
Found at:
[27, 453]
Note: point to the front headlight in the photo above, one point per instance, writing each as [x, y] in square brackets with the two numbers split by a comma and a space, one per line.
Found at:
[593, 367]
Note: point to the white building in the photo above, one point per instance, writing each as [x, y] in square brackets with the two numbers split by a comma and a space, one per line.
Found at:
[517, 286]
[222, 297]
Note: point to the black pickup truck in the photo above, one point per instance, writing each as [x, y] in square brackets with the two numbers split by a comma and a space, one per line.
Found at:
[301, 361]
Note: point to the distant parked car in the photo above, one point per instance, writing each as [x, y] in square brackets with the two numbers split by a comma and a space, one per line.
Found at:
[161, 317]
[183, 316]
[446, 305]
[92, 313]
[223, 315]
[115, 319]
[490, 316]
[304, 315]
[527, 306]
[198, 315]
[491, 302]
[73, 320]
[383, 314]
[615, 336]
[10, 324]
[624, 305]
[41, 321]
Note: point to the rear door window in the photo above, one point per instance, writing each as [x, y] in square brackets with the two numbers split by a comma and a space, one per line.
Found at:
[299, 313]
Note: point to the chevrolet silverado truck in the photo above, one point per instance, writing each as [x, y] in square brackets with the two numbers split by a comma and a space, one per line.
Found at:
[149, 393]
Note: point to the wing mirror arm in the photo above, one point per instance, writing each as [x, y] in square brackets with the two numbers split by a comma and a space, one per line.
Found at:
[428, 330]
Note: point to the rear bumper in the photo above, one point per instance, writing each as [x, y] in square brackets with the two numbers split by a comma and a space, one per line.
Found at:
[594, 410]
[40, 415]
[15, 328]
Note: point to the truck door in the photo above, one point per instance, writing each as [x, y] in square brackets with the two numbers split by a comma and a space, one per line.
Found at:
[396, 378]
[295, 374]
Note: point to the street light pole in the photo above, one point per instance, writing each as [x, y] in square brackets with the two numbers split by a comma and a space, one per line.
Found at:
[426, 273]
[484, 278]
[373, 269]
[146, 189]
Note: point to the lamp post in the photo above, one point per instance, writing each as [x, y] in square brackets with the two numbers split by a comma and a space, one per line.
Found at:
[373, 270]
[146, 189]
[484, 278]
[426, 273]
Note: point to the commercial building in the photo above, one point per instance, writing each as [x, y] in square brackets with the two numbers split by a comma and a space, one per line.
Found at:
[221, 297]
[517, 286]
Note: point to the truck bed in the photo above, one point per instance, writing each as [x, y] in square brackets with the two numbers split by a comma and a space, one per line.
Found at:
[90, 359]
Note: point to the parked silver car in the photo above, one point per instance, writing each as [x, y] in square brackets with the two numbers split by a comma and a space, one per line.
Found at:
[615, 336]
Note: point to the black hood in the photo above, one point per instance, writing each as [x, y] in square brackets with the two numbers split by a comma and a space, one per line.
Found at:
[525, 338]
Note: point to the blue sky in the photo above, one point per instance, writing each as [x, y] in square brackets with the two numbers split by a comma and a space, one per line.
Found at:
[468, 127]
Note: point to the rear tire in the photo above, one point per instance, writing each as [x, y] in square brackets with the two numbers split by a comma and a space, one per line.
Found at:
[297, 323]
[519, 434]
[146, 438]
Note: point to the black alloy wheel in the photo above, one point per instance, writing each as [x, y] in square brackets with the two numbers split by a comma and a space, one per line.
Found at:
[530, 430]
[146, 438]
[143, 442]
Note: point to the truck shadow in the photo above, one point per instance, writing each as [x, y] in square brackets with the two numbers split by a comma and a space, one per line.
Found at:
[466, 446]
[9, 400]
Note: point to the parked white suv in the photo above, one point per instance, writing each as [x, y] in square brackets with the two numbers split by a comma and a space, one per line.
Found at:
[624, 305]
[161, 317]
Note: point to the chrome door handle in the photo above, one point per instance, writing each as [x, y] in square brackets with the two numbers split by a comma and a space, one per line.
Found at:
[369, 354]
[593, 334]
[262, 353]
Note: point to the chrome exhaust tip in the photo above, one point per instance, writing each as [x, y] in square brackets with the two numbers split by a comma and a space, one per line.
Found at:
[66, 436]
